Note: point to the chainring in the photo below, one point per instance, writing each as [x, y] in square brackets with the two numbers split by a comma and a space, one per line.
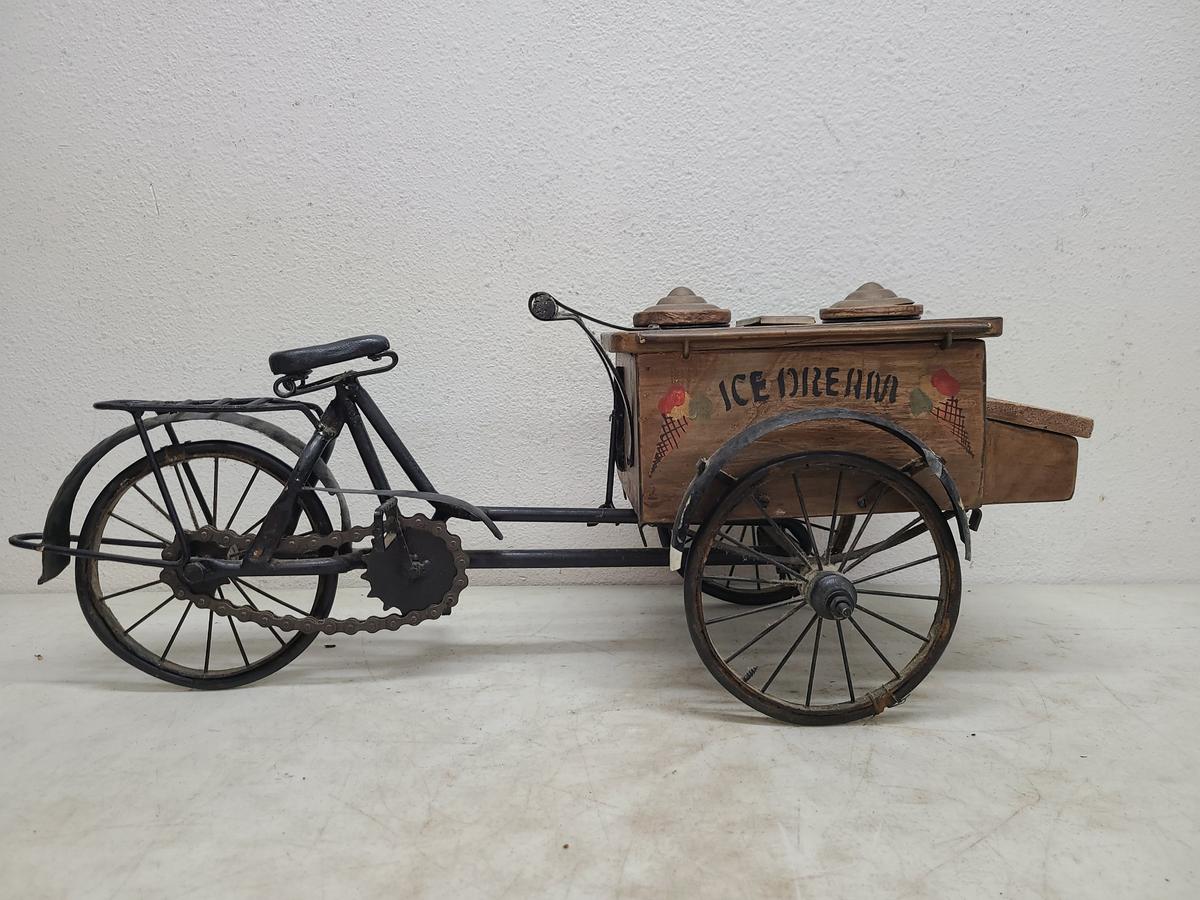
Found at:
[416, 565]
[234, 544]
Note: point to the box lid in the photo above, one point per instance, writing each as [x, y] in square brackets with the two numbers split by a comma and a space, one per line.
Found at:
[687, 340]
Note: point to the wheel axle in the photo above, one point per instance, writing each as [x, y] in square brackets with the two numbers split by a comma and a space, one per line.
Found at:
[831, 595]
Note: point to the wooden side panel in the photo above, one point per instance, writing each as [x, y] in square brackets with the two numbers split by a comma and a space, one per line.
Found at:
[691, 405]
[1028, 465]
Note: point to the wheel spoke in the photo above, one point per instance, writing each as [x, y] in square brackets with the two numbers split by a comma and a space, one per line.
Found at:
[137, 487]
[259, 590]
[216, 488]
[878, 652]
[819, 527]
[898, 594]
[254, 607]
[846, 554]
[762, 634]
[187, 498]
[237, 637]
[886, 544]
[812, 670]
[233, 627]
[146, 531]
[242, 499]
[785, 539]
[149, 614]
[807, 524]
[791, 650]
[753, 610]
[140, 587]
[755, 554]
[187, 609]
[256, 524]
[845, 660]
[920, 637]
[208, 641]
[837, 495]
[732, 579]
[915, 562]
[743, 537]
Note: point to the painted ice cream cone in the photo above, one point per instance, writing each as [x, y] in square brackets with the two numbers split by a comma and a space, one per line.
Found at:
[673, 408]
[938, 396]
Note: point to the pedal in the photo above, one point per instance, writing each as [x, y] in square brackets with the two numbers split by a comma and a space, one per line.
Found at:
[387, 519]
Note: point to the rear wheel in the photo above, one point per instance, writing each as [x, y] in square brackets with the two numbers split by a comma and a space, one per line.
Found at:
[862, 625]
[228, 486]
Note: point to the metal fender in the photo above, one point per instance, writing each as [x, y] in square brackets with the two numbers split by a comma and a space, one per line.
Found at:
[712, 467]
[57, 530]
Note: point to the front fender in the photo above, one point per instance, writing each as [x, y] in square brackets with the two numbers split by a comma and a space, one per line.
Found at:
[726, 453]
[57, 531]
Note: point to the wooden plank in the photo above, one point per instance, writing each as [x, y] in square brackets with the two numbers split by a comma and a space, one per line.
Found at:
[688, 340]
[1028, 465]
[691, 405]
[1041, 419]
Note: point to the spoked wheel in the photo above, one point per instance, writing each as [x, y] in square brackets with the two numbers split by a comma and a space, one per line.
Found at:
[862, 625]
[756, 583]
[228, 486]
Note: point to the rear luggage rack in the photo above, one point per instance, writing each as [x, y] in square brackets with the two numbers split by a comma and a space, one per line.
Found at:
[227, 404]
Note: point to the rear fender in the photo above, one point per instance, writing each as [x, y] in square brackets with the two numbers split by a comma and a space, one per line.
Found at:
[727, 452]
[57, 531]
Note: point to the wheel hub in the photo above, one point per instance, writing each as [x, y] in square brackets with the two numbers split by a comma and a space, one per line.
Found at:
[831, 595]
[195, 575]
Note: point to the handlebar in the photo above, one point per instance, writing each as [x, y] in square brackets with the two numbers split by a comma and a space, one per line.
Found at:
[543, 307]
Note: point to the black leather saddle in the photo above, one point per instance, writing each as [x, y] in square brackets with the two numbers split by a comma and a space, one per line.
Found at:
[304, 359]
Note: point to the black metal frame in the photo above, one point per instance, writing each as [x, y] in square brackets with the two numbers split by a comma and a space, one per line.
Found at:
[353, 409]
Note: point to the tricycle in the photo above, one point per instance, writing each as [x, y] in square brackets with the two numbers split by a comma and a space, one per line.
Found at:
[793, 473]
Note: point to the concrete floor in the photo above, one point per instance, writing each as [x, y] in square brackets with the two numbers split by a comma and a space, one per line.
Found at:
[568, 742]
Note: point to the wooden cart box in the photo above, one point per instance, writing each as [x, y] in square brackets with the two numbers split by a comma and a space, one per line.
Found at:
[693, 389]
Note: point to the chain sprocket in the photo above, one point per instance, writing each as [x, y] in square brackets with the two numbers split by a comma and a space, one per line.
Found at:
[297, 545]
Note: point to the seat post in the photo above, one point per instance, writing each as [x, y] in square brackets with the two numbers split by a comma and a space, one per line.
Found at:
[391, 440]
[347, 395]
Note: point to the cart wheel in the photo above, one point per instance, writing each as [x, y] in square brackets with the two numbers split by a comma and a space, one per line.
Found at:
[753, 583]
[890, 596]
[137, 616]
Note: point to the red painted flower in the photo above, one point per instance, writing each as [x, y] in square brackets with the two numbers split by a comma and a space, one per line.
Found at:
[946, 383]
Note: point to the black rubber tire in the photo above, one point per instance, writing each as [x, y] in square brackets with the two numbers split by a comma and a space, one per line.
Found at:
[914, 672]
[104, 625]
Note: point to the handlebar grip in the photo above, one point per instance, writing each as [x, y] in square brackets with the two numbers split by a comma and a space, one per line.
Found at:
[543, 307]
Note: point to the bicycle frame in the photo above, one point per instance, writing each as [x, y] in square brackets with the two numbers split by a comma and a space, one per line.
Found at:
[353, 409]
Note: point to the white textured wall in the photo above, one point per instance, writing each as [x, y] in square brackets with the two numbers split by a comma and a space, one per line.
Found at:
[184, 189]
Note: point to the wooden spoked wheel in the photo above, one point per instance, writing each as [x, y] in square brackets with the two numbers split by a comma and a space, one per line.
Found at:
[862, 624]
[226, 485]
